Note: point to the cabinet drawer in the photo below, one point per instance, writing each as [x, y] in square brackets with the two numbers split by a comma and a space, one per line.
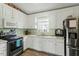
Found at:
[3, 46]
[3, 54]
[3, 49]
[59, 40]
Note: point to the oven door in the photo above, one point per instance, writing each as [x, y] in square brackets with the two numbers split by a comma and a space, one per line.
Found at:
[15, 46]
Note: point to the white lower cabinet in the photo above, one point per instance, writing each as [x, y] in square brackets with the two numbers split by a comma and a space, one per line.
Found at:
[3, 53]
[36, 43]
[53, 45]
[59, 47]
[3, 49]
[49, 45]
[25, 44]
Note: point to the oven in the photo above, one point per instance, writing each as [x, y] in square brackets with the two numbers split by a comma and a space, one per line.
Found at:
[15, 46]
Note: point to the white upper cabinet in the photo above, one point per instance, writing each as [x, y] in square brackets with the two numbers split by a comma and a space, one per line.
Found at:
[7, 11]
[16, 19]
[31, 21]
[25, 21]
[76, 11]
[1, 10]
[52, 21]
[15, 14]
[1, 16]
[55, 17]
[21, 20]
[1, 22]
[62, 15]
[13, 18]
[9, 23]
[9, 20]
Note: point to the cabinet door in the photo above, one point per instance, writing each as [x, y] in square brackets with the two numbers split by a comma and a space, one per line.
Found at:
[52, 21]
[7, 10]
[51, 46]
[30, 42]
[1, 16]
[25, 21]
[48, 45]
[1, 22]
[3, 49]
[31, 21]
[20, 21]
[59, 48]
[36, 43]
[76, 11]
[62, 15]
[9, 23]
[25, 43]
[15, 16]
[1, 10]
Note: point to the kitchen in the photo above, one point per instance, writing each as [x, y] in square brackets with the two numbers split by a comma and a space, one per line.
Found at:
[29, 30]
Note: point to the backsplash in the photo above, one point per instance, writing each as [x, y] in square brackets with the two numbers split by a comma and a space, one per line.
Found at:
[18, 31]
[32, 32]
[35, 32]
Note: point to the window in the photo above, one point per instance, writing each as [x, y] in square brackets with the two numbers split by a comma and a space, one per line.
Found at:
[42, 24]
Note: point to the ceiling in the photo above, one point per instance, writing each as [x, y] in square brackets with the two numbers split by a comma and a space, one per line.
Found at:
[31, 8]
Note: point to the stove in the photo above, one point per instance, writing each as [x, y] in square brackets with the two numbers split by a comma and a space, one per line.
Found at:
[14, 44]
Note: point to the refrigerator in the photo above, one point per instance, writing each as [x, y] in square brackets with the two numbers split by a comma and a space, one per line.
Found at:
[71, 36]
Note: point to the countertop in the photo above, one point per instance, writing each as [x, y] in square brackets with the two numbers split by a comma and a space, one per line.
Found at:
[2, 41]
[47, 36]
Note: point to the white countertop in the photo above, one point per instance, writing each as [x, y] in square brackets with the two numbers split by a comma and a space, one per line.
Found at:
[2, 41]
[40, 36]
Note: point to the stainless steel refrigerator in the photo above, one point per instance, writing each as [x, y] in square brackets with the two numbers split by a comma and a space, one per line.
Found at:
[71, 36]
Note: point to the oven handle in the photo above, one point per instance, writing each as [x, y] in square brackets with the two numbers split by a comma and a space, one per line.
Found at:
[14, 40]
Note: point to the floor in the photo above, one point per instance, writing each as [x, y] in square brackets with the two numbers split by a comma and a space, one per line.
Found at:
[32, 52]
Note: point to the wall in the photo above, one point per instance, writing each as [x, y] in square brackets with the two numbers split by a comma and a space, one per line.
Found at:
[50, 14]
[55, 19]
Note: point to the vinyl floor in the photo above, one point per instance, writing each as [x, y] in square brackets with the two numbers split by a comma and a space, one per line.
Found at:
[32, 52]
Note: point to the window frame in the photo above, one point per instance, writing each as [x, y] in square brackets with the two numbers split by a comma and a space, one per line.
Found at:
[37, 19]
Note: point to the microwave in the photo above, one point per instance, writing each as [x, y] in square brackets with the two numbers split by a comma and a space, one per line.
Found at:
[59, 32]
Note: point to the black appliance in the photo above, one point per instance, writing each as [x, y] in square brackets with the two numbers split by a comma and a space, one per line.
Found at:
[59, 32]
[71, 36]
[14, 44]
